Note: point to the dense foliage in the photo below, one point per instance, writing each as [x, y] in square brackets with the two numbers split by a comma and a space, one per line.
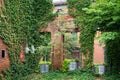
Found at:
[105, 16]
[86, 30]
[20, 24]
[79, 74]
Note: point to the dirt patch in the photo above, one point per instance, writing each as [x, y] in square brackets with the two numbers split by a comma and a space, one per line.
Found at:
[99, 78]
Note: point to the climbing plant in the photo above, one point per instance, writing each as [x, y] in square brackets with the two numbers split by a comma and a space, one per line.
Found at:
[86, 30]
[20, 23]
[105, 16]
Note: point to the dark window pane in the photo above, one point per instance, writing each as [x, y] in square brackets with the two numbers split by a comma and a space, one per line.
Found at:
[3, 53]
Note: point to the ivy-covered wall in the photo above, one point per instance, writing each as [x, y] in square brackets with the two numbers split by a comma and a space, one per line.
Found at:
[20, 23]
[113, 56]
[106, 18]
[86, 30]
[103, 15]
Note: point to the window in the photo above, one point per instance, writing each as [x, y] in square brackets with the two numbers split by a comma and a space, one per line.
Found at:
[3, 53]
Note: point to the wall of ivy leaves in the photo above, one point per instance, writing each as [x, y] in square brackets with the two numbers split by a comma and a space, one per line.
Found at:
[20, 23]
[86, 30]
[102, 14]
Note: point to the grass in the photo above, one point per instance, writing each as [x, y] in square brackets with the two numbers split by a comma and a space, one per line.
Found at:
[112, 77]
[71, 75]
[58, 75]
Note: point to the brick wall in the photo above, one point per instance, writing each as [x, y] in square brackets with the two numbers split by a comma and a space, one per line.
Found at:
[98, 50]
[4, 58]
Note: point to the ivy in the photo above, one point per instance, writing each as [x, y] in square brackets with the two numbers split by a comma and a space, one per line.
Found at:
[20, 23]
[112, 55]
[105, 14]
[102, 14]
[86, 30]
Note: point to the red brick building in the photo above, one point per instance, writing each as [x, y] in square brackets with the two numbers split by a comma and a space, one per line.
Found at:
[64, 22]
[4, 58]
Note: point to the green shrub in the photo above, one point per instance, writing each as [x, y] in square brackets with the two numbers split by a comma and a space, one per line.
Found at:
[65, 64]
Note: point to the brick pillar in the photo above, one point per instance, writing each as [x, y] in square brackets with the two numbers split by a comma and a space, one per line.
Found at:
[57, 54]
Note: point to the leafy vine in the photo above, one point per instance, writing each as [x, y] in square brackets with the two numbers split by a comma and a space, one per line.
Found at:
[86, 30]
[102, 14]
[20, 23]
